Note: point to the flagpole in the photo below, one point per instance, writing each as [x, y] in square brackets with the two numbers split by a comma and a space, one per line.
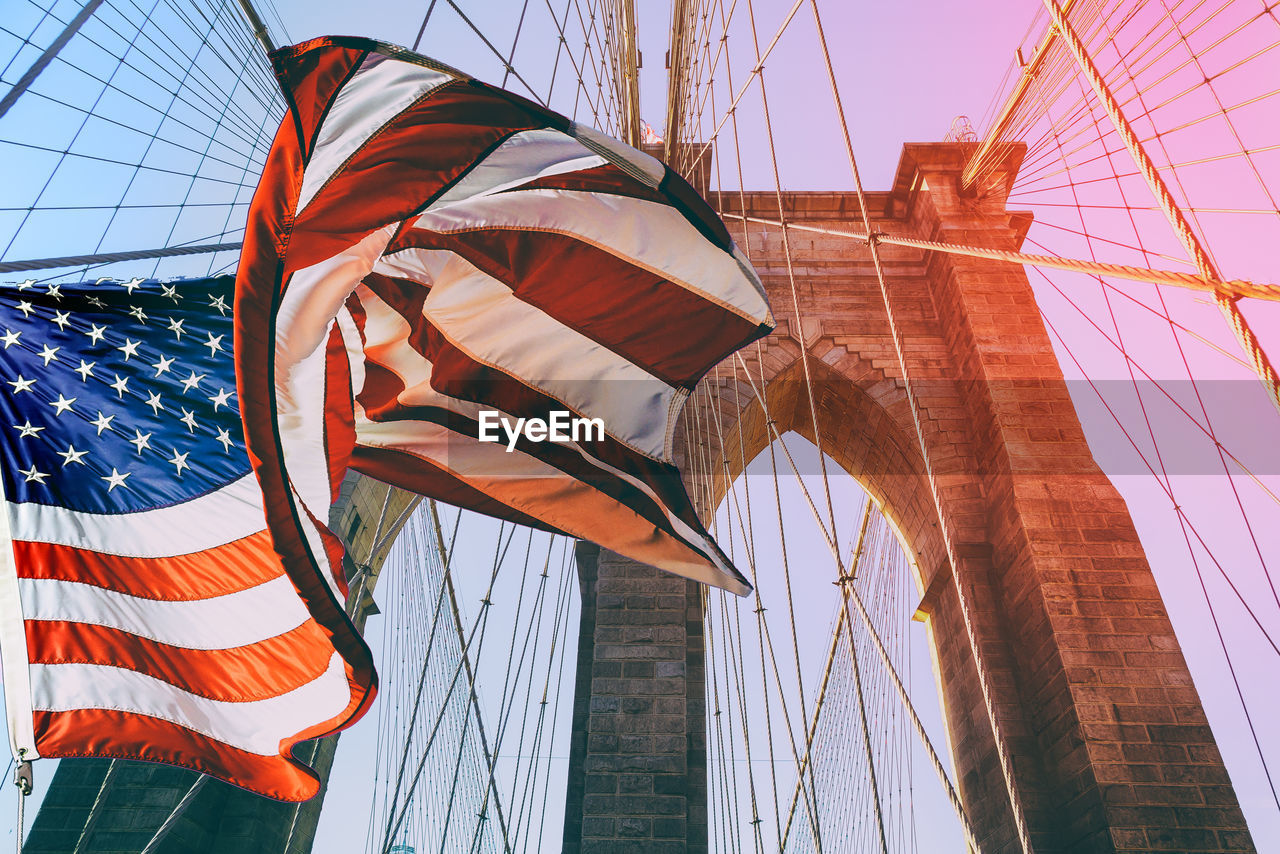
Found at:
[22, 778]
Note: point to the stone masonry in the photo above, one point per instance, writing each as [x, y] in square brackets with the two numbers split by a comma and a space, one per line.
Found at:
[637, 758]
[1110, 750]
[1109, 747]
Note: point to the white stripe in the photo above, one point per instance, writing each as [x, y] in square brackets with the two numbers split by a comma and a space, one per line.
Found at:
[355, 353]
[14, 659]
[230, 620]
[414, 371]
[542, 491]
[314, 297]
[223, 516]
[646, 164]
[487, 466]
[386, 332]
[386, 342]
[483, 318]
[379, 91]
[524, 157]
[650, 235]
[256, 726]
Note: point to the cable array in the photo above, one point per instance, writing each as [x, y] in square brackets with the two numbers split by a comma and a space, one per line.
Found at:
[146, 130]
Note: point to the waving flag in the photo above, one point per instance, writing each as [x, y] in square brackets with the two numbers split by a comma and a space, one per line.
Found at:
[144, 613]
[426, 252]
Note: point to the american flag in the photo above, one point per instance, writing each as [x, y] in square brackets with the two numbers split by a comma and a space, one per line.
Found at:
[144, 613]
[423, 248]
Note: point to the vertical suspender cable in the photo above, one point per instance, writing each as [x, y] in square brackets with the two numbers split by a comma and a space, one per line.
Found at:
[984, 678]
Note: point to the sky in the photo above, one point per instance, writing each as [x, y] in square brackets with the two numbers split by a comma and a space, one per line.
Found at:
[907, 69]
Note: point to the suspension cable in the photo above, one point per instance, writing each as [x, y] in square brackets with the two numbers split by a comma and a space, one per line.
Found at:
[1236, 288]
[1191, 242]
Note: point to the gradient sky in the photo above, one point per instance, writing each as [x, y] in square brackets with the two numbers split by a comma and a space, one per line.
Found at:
[907, 69]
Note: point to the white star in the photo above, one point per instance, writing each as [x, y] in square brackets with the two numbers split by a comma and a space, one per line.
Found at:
[115, 478]
[55, 291]
[85, 370]
[71, 455]
[21, 385]
[25, 308]
[153, 400]
[131, 285]
[179, 461]
[189, 418]
[26, 286]
[10, 337]
[170, 291]
[27, 429]
[62, 318]
[32, 474]
[191, 382]
[140, 441]
[130, 348]
[220, 399]
[121, 385]
[220, 304]
[225, 438]
[137, 312]
[102, 422]
[49, 354]
[96, 303]
[175, 326]
[214, 344]
[162, 365]
[62, 404]
[96, 332]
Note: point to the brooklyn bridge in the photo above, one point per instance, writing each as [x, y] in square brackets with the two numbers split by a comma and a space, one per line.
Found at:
[1003, 478]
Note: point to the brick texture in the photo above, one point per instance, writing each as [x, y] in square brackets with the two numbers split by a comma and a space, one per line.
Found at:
[1110, 750]
[637, 759]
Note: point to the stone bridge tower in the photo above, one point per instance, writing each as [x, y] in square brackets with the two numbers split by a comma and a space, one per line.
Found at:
[1108, 745]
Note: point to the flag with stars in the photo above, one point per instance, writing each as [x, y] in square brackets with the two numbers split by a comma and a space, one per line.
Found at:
[144, 613]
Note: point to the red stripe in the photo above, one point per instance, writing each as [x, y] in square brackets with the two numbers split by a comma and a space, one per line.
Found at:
[411, 472]
[215, 572]
[457, 375]
[311, 74]
[403, 167]
[592, 515]
[602, 296]
[254, 672]
[333, 548]
[606, 178]
[124, 735]
[665, 484]
[259, 279]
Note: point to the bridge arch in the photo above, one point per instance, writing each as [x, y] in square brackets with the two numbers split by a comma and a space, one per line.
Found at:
[1058, 664]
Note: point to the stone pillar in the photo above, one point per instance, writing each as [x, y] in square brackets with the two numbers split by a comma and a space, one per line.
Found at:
[1110, 749]
[638, 758]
